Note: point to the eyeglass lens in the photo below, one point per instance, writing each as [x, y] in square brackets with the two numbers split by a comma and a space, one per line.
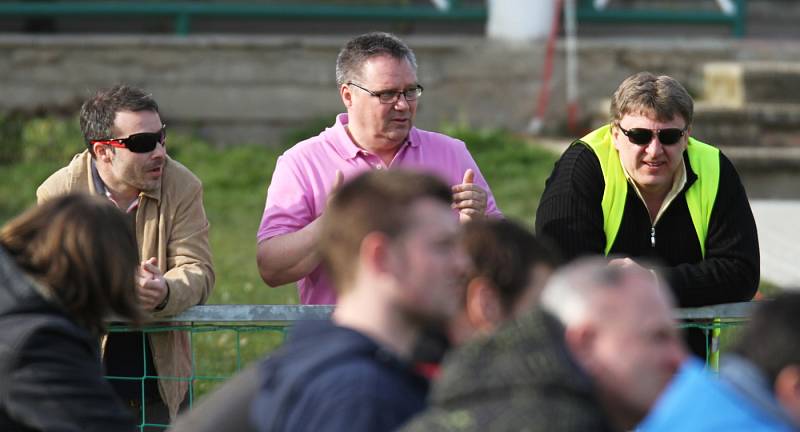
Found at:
[144, 142]
[393, 96]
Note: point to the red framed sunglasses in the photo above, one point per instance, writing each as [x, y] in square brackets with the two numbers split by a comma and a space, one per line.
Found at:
[144, 142]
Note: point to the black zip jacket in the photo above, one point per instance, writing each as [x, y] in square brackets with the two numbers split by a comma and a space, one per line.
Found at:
[570, 214]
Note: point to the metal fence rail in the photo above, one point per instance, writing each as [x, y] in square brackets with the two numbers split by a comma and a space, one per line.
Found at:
[453, 10]
[290, 313]
[734, 15]
[225, 338]
[183, 12]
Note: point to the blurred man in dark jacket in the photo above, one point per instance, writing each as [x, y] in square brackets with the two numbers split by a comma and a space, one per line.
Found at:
[593, 357]
[390, 240]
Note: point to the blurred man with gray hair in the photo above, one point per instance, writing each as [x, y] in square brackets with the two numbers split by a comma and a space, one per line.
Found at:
[594, 355]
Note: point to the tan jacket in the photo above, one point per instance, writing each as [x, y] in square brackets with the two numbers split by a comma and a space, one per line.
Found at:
[171, 225]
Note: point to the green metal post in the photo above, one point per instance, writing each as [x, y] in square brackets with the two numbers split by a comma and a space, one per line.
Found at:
[740, 23]
[716, 332]
[182, 23]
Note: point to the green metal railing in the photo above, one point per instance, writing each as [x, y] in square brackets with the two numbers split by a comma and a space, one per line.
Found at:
[225, 338]
[183, 12]
[586, 12]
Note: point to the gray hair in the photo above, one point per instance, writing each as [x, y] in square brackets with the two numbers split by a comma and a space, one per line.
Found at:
[571, 291]
[361, 48]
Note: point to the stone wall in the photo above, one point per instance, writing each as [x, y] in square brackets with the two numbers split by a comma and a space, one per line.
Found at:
[252, 89]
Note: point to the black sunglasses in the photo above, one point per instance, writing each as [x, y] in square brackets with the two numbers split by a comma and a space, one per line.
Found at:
[641, 136]
[144, 142]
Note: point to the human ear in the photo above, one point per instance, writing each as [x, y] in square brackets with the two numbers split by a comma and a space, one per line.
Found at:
[346, 95]
[787, 390]
[483, 306]
[102, 152]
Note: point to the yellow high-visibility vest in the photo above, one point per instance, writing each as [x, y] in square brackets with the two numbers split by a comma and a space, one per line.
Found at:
[700, 197]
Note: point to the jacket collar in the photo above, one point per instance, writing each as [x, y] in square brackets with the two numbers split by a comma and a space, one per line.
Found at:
[751, 383]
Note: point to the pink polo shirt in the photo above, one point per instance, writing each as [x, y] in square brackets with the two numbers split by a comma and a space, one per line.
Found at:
[305, 174]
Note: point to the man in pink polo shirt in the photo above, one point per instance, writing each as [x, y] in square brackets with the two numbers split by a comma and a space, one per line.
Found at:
[377, 78]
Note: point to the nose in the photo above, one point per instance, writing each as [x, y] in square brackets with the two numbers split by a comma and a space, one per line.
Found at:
[655, 147]
[402, 103]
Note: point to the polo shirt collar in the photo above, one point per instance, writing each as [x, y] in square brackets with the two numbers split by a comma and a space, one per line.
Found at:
[347, 149]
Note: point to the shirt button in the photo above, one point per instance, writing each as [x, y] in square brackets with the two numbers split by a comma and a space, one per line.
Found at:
[379, 167]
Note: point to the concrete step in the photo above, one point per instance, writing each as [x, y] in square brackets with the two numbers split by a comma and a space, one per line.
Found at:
[736, 84]
[755, 124]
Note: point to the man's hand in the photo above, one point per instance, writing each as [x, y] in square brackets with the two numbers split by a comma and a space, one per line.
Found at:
[469, 198]
[151, 287]
[626, 263]
[629, 263]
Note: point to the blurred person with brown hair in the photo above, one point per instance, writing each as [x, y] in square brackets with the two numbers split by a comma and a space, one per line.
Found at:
[641, 187]
[65, 268]
[126, 162]
[509, 269]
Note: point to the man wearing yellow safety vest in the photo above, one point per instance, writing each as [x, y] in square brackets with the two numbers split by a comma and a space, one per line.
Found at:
[642, 191]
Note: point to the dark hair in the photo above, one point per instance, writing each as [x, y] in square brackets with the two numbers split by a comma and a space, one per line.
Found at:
[505, 253]
[98, 112]
[644, 92]
[376, 201]
[769, 340]
[83, 250]
[361, 48]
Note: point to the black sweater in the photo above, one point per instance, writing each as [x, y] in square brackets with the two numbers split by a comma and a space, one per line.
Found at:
[570, 214]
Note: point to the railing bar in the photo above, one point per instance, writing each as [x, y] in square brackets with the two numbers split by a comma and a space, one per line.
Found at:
[285, 314]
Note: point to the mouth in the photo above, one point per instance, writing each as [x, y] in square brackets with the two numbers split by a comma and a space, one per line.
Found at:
[155, 171]
[654, 164]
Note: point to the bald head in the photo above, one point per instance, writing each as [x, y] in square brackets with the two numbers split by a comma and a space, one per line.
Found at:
[619, 327]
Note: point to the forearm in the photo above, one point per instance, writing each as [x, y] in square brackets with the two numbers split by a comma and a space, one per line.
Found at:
[712, 281]
[289, 257]
[188, 266]
[730, 271]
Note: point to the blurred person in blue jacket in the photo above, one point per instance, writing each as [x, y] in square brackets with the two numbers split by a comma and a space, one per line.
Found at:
[759, 383]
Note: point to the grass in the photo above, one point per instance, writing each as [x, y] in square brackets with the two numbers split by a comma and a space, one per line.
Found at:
[235, 183]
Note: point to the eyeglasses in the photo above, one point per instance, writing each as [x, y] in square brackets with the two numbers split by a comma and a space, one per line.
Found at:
[392, 96]
[144, 142]
[641, 136]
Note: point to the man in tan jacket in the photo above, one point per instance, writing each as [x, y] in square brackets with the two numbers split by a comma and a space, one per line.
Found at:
[126, 161]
